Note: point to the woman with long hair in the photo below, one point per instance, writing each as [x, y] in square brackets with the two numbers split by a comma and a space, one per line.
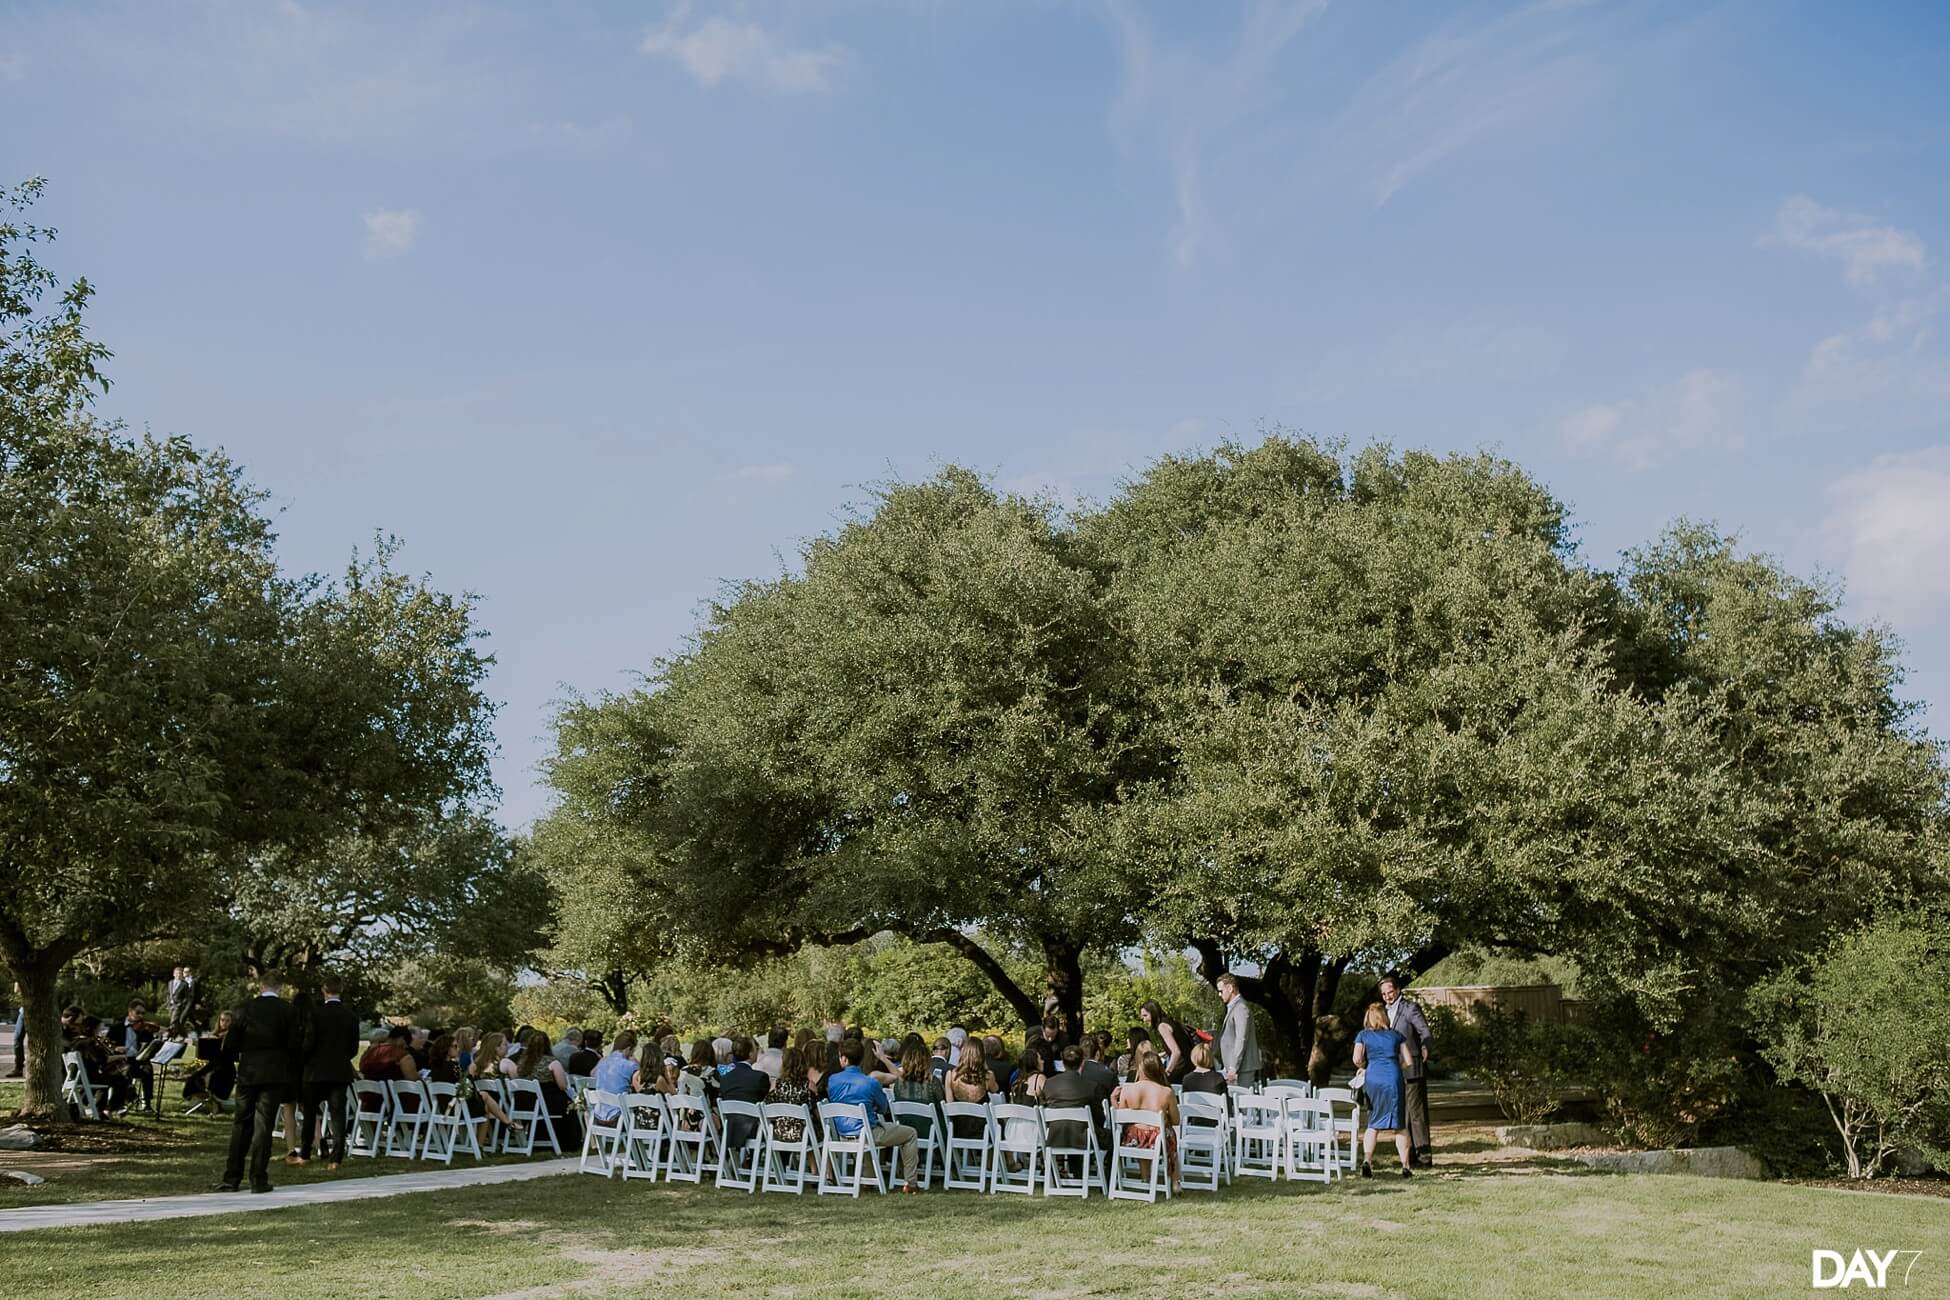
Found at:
[791, 1090]
[538, 1063]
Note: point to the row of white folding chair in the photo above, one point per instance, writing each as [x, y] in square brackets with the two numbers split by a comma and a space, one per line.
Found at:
[1294, 1137]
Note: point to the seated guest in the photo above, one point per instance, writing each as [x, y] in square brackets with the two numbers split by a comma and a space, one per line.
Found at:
[538, 1063]
[957, 1035]
[490, 1062]
[465, 1040]
[388, 1059]
[942, 1061]
[1149, 1091]
[1127, 1063]
[443, 1060]
[721, 1050]
[700, 1077]
[851, 1086]
[583, 1060]
[773, 1057]
[743, 1081]
[565, 1047]
[617, 1071]
[917, 1083]
[1202, 1077]
[971, 1081]
[1102, 1077]
[792, 1089]
[999, 1066]
[817, 1057]
[1074, 1088]
[883, 1061]
[659, 1073]
[1030, 1078]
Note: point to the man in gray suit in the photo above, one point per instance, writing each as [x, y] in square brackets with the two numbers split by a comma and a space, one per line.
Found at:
[1406, 1019]
[1238, 1041]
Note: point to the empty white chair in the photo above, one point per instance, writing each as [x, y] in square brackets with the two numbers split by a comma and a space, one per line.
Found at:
[579, 1084]
[1300, 1086]
[370, 1104]
[790, 1162]
[1347, 1121]
[1137, 1165]
[450, 1129]
[741, 1165]
[925, 1120]
[690, 1141]
[406, 1117]
[970, 1155]
[1017, 1163]
[646, 1122]
[530, 1117]
[603, 1133]
[1087, 1158]
[1258, 1136]
[75, 1088]
[847, 1161]
[1204, 1141]
[1310, 1140]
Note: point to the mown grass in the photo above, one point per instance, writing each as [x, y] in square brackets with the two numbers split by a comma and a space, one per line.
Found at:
[1535, 1232]
[187, 1156]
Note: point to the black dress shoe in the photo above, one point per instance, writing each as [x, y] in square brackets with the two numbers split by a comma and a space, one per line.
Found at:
[227, 1187]
[1367, 1171]
[260, 1187]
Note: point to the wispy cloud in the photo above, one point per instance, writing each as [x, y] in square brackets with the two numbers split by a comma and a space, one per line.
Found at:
[1699, 411]
[1864, 246]
[721, 49]
[390, 232]
[1188, 101]
[773, 472]
[1249, 145]
[1892, 521]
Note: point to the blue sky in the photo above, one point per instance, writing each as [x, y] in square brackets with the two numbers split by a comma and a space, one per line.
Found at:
[597, 306]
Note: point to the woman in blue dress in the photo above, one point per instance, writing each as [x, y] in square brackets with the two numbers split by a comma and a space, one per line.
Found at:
[1383, 1053]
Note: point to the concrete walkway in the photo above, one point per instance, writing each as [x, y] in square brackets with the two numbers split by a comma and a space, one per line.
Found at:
[145, 1210]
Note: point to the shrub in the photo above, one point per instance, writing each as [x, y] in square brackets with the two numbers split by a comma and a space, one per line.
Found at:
[1866, 1025]
[1525, 1064]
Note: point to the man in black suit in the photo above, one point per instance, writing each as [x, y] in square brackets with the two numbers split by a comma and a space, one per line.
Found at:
[1071, 1086]
[260, 1038]
[1103, 1079]
[742, 1081]
[331, 1041]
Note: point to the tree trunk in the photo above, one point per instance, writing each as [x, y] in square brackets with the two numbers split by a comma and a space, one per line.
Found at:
[39, 976]
[1025, 1007]
[1063, 987]
[614, 986]
[1330, 1034]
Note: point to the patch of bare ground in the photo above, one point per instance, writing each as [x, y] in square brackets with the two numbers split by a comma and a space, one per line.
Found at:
[496, 1227]
[613, 1270]
[107, 1137]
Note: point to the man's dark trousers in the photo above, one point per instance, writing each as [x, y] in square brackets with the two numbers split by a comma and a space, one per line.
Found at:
[257, 1115]
[326, 1101]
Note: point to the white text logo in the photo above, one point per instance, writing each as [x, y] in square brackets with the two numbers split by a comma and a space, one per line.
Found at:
[1869, 1267]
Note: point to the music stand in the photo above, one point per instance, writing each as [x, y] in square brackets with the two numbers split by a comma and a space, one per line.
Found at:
[158, 1064]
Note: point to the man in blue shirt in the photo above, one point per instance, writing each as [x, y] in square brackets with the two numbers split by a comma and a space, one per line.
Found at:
[615, 1071]
[850, 1085]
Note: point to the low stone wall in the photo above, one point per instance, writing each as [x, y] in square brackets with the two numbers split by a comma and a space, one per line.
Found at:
[1551, 1137]
[1702, 1162]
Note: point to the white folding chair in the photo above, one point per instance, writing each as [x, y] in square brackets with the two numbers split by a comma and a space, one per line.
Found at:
[645, 1124]
[790, 1162]
[407, 1115]
[530, 1116]
[1017, 1163]
[1089, 1157]
[579, 1084]
[1310, 1140]
[1347, 1120]
[1204, 1141]
[604, 1132]
[450, 1129]
[1137, 1171]
[691, 1141]
[1300, 1086]
[1258, 1136]
[968, 1161]
[743, 1165]
[847, 1160]
[368, 1132]
[925, 1120]
[75, 1088]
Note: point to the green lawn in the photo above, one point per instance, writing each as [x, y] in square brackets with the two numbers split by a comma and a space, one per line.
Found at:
[1461, 1234]
[187, 1156]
